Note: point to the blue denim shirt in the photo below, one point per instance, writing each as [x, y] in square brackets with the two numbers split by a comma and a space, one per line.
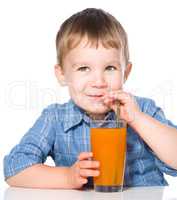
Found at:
[62, 132]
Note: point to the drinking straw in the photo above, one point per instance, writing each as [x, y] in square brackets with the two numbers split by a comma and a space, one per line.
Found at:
[117, 114]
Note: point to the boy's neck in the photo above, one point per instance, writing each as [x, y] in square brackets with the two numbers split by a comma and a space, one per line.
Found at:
[94, 116]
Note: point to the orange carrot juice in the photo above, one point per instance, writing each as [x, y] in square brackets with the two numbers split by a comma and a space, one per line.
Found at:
[109, 148]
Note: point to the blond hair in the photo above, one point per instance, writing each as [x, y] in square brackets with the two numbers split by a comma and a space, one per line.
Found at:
[98, 26]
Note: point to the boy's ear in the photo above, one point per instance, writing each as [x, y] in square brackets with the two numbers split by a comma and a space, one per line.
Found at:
[127, 71]
[59, 73]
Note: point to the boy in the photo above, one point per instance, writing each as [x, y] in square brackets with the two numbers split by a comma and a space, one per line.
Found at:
[93, 61]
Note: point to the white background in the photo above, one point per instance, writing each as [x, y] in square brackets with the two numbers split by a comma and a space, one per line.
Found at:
[27, 57]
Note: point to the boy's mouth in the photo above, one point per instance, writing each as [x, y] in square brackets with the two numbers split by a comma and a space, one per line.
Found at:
[96, 97]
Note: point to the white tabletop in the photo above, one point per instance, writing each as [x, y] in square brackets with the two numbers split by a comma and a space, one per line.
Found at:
[136, 193]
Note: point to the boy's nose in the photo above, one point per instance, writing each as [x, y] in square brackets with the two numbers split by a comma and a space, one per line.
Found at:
[98, 81]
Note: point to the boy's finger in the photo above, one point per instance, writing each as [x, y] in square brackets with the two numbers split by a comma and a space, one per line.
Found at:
[83, 180]
[112, 93]
[121, 96]
[85, 155]
[88, 172]
[88, 164]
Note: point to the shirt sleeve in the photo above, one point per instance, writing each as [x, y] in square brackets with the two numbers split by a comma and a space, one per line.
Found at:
[33, 148]
[157, 113]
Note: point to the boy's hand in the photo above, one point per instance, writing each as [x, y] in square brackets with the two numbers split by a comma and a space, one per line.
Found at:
[129, 110]
[82, 169]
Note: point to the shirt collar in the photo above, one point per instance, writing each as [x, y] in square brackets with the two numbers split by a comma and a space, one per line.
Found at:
[74, 115]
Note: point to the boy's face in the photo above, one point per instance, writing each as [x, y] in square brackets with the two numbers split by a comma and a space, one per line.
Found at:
[90, 74]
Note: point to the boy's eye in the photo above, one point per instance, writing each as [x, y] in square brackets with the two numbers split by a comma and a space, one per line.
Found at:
[111, 68]
[83, 69]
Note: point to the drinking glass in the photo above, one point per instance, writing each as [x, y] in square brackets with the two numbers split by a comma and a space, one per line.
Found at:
[108, 144]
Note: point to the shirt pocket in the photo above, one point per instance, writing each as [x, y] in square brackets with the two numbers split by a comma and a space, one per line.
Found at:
[71, 143]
